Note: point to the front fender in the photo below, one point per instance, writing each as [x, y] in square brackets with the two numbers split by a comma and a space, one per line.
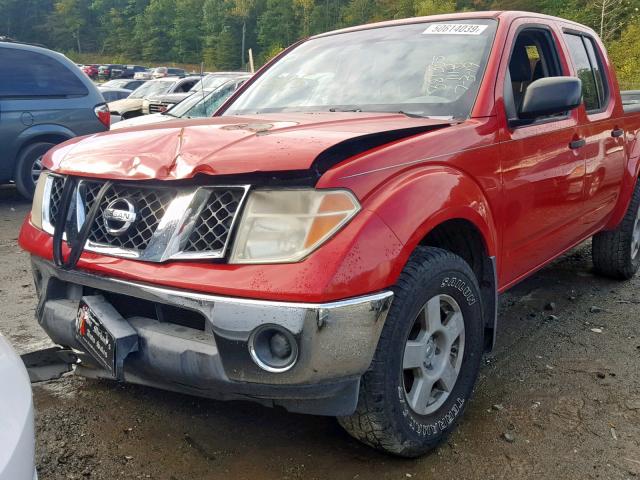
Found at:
[414, 203]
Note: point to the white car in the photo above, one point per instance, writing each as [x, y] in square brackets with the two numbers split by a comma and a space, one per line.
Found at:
[199, 105]
[134, 104]
[17, 434]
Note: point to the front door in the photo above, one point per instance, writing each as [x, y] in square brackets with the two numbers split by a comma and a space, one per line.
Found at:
[543, 165]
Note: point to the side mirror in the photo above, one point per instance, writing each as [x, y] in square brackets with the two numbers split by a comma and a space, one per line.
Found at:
[551, 95]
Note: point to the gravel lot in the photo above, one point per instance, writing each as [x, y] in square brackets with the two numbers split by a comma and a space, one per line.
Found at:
[558, 398]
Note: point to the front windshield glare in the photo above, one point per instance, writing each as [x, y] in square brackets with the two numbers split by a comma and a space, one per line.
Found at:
[198, 106]
[151, 88]
[427, 69]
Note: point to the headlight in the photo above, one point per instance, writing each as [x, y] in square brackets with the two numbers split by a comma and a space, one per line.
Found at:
[38, 196]
[281, 226]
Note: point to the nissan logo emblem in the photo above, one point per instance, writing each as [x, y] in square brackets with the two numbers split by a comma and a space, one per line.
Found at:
[119, 216]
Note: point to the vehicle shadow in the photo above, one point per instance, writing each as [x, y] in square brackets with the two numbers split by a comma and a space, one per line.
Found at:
[9, 194]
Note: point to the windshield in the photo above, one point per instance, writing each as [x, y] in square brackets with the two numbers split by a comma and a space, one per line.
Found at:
[150, 88]
[195, 106]
[210, 82]
[115, 83]
[426, 69]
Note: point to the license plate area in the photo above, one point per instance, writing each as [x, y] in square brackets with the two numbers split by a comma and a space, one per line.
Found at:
[104, 334]
[95, 337]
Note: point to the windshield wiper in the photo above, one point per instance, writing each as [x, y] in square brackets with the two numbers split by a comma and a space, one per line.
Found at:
[335, 109]
[412, 115]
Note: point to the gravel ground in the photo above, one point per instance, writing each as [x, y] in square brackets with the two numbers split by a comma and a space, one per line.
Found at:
[558, 398]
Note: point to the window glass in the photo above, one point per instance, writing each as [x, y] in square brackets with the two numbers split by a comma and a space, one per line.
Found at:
[425, 69]
[35, 75]
[583, 69]
[598, 71]
[152, 88]
[533, 57]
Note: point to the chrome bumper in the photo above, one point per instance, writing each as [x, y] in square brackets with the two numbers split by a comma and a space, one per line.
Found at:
[336, 340]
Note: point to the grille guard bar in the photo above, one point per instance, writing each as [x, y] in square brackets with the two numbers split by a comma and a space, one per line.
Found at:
[78, 243]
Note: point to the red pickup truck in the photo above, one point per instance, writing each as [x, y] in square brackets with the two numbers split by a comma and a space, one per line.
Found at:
[333, 241]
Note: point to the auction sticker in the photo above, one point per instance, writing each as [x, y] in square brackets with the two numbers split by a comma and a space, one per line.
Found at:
[454, 29]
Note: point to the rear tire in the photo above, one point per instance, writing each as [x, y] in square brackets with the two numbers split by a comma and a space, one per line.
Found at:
[29, 166]
[616, 253]
[427, 359]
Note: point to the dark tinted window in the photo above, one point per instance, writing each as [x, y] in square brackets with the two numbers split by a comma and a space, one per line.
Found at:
[598, 71]
[577, 49]
[533, 57]
[29, 74]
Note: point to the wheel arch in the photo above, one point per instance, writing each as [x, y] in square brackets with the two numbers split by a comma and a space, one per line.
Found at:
[454, 214]
[627, 187]
[40, 133]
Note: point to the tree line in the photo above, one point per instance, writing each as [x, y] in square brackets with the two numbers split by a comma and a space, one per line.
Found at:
[215, 31]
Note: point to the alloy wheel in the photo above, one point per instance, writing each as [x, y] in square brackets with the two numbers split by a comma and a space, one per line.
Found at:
[433, 354]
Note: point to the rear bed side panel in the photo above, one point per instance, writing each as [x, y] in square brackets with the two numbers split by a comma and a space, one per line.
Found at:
[630, 122]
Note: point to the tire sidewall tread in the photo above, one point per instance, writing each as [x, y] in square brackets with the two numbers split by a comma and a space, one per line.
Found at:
[383, 419]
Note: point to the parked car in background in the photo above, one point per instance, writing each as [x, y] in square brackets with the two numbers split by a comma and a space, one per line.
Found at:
[181, 87]
[144, 75]
[630, 97]
[132, 106]
[128, 84]
[91, 71]
[160, 72]
[107, 72]
[209, 82]
[129, 71]
[17, 432]
[198, 105]
[112, 94]
[44, 100]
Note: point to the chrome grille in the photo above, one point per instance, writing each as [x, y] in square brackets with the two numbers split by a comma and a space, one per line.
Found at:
[57, 185]
[171, 222]
[213, 226]
[151, 205]
[157, 107]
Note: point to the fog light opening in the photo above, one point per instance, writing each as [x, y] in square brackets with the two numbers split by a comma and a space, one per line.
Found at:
[273, 348]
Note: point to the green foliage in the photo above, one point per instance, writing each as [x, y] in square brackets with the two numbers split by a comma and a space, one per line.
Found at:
[192, 31]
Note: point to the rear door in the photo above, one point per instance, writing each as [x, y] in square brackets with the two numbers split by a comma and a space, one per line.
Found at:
[600, 127]
[543, 167]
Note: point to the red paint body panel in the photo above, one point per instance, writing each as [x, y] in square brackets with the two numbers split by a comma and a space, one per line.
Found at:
[528, 194]
[219, 146]
[355, 262]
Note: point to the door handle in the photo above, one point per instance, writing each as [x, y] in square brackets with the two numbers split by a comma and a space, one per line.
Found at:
[581, 142]
[617, 132]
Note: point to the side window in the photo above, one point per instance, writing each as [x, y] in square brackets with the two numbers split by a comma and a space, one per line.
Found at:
[589, 70]
[35, 75]
[186, 86]
[598, 71]
[533, 57]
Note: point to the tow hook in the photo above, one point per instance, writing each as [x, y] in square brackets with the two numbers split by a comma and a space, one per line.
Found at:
[49, 363]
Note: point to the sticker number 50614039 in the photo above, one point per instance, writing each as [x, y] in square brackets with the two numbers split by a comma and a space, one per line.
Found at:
[454, 29]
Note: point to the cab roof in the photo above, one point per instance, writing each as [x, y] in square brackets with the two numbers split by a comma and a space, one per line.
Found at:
[508, 16]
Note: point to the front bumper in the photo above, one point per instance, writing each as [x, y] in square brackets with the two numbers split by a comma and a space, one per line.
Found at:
[336, 340]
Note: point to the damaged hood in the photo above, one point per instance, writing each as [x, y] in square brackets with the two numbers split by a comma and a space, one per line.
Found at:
[233, 145]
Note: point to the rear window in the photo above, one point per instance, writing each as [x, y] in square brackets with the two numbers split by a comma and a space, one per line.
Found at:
[589, 70]
[35, 75]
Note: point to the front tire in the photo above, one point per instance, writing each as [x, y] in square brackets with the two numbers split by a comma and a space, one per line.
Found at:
[616, 253]
[29, 167]
[427, 359]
